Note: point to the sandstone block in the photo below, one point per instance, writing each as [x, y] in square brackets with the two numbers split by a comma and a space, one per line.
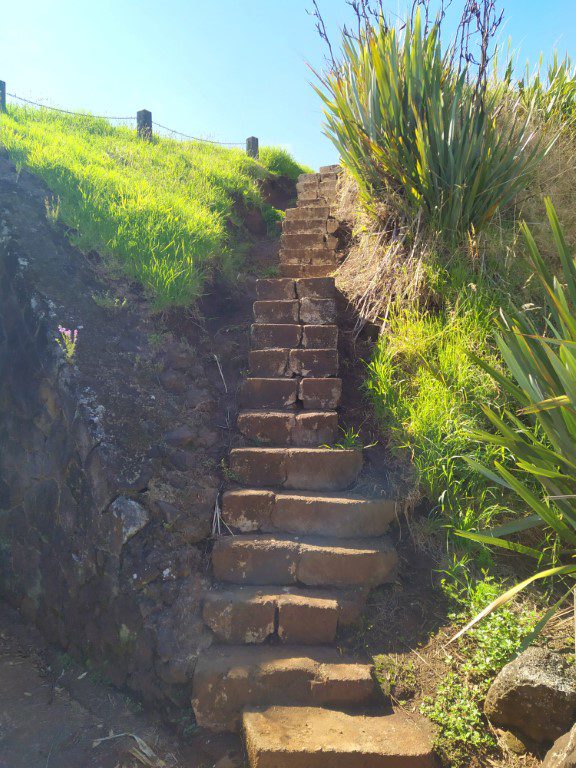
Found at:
[306, 737]
[248, 509]
[307, 620]
[317, 311]
[321, 211]
[330, 515]
[320, 336]
[315, 288]
[274, 336]
[270, 362]
[255, 560]
[277, 311]
[268, 393]
[275, 289]
[320, 393]
[243, 615]
[346, 563]
[315, 363]
[306, 429]
[302, 239]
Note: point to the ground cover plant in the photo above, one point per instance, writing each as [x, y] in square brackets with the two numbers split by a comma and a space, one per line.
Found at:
[166, 213]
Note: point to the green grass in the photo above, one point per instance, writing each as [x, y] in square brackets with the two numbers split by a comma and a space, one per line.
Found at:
[165, 213]
[426, 394]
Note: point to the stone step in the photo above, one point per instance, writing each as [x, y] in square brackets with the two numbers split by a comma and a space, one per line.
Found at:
[311, 225]
[227, 679]
[315, 363]
[308, 256]
[252, 615]
[310, 311]
[313, 562]
[281, 336]
[306, 514]
[331, 170]
[269, 393]
[308, 240]
[318, 211]
[282, 289]
[294, 270]
[313, 737]
[313, 469]
[308, 429]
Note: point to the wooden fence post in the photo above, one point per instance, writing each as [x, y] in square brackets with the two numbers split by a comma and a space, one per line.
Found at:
[144, 124]
[252, 146]
[2, 96]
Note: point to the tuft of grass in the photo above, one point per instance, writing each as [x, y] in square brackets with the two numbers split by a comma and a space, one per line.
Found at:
[165, 213]
[279, 162]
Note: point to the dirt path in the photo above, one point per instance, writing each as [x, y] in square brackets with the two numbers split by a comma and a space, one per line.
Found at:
[53, 712]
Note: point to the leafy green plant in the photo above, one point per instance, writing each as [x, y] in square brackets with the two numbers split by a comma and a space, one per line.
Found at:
[457, 706]
[406, 122]
[541, 436]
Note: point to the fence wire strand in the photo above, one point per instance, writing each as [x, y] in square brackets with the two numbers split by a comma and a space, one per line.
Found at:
[109, 117]
[67, 111]
[195, 138]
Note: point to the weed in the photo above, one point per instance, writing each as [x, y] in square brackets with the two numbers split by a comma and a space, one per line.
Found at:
[227, 472]
[52, 206]
[350, 440]
[107, 300]
[457, 705]
[67, 342]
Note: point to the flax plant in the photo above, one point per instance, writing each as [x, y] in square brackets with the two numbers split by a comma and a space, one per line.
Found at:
[404, 119]
[541, 435]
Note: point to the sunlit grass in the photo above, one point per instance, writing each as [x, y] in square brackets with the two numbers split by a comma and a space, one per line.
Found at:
[165, 213]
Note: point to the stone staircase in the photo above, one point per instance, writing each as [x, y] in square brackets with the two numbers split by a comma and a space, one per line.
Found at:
[305, 549]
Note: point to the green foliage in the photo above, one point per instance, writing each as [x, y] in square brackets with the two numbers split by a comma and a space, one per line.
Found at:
[405, 121]
[426, 392]
[553, 96]
[541, 381]
[457, 707]
[162, 212]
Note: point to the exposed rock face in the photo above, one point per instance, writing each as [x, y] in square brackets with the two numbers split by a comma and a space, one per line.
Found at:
[535, 694]
[563, 752]
[109, 467]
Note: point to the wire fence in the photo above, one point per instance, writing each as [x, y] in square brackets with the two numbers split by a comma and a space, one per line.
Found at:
[143, 119]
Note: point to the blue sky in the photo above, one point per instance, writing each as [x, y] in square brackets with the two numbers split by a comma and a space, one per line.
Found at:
[224, 69]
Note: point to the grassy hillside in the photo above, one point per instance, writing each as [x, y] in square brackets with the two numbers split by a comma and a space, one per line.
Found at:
[165, 212]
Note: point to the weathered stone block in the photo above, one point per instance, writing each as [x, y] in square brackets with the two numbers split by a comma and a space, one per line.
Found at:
[268, 393]
[274, 336]
[269, 362]
[318, 311]
[315, 363]
[316, 288]
[318, 394]
[320, 336]
[248, 510]
[348, 563]
[276, 311]
[275, 288]
[307, 620]
[240, 616]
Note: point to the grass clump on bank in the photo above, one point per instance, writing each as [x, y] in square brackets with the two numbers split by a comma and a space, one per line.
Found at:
[166, 213]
